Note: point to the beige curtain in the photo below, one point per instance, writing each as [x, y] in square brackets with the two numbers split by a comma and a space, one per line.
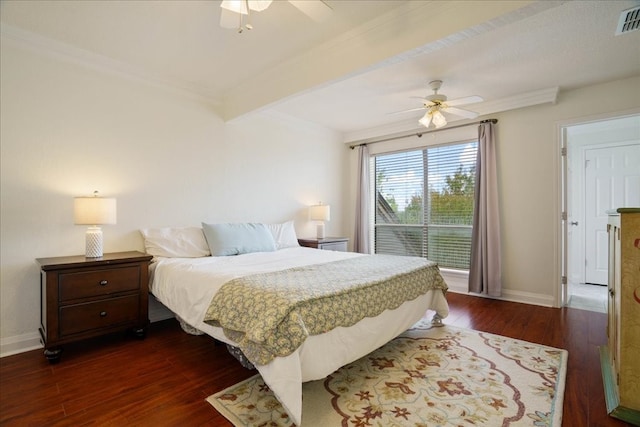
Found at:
[485, 274]
[361, 241]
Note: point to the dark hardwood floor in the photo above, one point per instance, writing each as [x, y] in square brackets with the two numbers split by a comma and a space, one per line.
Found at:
[164, 379]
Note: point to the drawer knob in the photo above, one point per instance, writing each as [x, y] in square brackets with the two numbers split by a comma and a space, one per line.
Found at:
[103, 283]
[103, 314]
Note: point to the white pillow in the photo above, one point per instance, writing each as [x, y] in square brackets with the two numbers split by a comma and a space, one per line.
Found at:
[284, 234]
[238, 238]
[172, 242]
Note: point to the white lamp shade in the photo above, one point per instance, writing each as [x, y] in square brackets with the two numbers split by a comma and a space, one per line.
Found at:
[426, 119]
[240, 6]
[320, 213]
[439, 119]
[94, 210]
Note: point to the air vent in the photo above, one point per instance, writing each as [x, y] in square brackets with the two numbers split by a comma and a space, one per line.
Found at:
[629, 21]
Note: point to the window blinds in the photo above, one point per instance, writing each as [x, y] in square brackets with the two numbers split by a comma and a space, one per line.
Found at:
[424, 203]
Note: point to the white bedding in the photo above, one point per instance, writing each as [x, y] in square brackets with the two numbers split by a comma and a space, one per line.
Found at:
[187, 285]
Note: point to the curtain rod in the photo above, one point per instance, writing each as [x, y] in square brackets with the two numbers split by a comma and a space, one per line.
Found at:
[419, 134]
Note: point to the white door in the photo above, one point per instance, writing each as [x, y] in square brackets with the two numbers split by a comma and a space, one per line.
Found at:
[612, 180]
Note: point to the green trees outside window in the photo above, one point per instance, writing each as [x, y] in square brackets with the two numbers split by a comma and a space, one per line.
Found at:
[437, 226]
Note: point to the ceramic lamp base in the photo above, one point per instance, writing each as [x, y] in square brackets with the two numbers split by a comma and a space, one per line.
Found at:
[320, 231]
[94, 242]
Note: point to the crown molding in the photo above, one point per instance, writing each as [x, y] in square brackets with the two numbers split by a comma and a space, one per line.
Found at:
[389, 129]
[527, 99]
[65, 52]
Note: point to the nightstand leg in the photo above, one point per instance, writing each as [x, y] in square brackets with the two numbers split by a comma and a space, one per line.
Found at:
[53, 355]
[140, 333]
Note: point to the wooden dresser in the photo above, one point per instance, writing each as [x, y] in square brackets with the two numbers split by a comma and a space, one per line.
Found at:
[620, 358]
[86, 297]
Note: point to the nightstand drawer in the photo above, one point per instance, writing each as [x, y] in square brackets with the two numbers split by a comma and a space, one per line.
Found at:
[98, 314]
[93, 283]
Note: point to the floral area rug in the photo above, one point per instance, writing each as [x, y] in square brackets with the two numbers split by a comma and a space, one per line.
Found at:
[427, 376]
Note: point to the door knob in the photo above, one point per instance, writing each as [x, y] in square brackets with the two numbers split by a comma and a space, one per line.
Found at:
[574, 222]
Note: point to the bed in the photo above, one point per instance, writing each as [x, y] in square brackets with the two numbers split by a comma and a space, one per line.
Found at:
[189, 285]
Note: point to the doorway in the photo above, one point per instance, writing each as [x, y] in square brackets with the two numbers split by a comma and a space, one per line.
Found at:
[602, 173]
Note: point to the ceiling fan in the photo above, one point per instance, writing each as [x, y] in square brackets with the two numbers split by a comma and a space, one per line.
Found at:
[233, 11]
[437, 103]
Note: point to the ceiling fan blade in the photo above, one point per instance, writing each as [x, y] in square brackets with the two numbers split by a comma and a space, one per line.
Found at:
[424, 100]
[317, 10]
[460, 112]
[229, 19]
[408, 111]
[464, 101]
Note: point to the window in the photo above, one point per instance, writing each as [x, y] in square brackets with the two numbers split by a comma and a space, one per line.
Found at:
[434, 223]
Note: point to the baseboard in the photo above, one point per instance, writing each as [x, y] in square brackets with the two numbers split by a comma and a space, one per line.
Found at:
[512, 296]
[19, 344]
[458, 283]
[528, 298]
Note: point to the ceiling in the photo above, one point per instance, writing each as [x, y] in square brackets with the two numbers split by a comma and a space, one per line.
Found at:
[347, 73]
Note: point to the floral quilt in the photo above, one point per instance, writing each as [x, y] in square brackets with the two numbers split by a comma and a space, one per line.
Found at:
[270, 315]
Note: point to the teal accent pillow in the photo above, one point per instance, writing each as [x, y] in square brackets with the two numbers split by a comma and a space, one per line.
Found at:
[238, 238]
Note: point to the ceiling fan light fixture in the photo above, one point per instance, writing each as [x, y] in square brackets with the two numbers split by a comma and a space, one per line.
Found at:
[259, 5]
[435, 104]
[240, 6]
[237, 6]
[426, 119]
[438, 119]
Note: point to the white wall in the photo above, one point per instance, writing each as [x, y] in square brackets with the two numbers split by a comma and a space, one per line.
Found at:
[529, 184]
[68, 129]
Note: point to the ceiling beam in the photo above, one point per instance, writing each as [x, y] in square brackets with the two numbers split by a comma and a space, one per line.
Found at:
[408, 27]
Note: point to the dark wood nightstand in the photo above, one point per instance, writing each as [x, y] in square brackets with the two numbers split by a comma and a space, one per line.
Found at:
[86, 297]
[327, 243]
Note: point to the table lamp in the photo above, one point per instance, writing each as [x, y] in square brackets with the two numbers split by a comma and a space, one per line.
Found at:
[320, 213]
[94, 211]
